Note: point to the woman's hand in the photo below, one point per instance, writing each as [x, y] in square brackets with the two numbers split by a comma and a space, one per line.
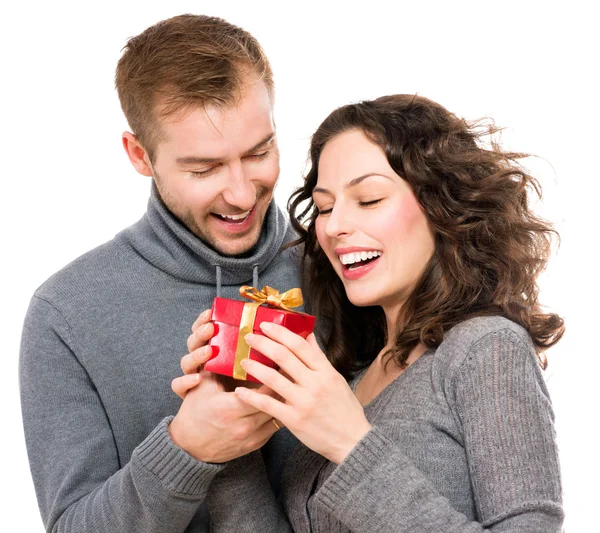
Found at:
[318, 405]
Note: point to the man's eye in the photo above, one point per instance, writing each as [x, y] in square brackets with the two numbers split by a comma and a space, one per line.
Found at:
[203, 173]
[262, 155]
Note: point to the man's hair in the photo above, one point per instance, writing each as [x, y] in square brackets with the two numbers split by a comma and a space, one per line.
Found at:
[187, 60]
[489, 245]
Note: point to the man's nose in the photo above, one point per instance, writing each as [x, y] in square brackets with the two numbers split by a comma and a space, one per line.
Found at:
[239, 191]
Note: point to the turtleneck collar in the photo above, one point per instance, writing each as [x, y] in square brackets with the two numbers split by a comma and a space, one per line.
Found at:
[165, 242]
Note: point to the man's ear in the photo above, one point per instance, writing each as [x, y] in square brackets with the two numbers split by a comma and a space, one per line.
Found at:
[137, 154]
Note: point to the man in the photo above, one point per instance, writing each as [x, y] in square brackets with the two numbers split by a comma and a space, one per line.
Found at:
[104, 336]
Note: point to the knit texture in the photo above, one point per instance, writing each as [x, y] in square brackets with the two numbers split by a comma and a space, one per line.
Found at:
[462, 442]
[102, 340]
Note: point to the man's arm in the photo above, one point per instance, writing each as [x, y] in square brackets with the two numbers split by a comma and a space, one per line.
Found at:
[80, 483]
[241, 499]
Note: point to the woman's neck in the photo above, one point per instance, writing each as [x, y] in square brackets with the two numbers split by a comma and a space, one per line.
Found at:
[382, 372]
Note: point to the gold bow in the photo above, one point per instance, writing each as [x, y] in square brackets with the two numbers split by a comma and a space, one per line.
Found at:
[270, 296]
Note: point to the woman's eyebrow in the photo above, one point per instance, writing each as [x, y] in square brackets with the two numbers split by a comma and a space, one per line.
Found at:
[352, 183]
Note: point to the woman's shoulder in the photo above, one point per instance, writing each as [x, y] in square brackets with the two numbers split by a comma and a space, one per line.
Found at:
[479, 340]
[476, 329]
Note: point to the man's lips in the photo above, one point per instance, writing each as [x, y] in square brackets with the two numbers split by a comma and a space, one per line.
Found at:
[238, 223]
[233, 218]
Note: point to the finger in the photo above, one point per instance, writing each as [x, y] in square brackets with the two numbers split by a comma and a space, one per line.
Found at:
[262, 435]
[193, 361]
[183, 384]
[263, 389]
[203, 318]
[266, 404]
[280, 355]
[311, 356]
[200, 336]
[272, 379]
[258, 418]
[233, 408]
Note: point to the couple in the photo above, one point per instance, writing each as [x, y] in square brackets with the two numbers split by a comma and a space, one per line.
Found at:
[426, 409]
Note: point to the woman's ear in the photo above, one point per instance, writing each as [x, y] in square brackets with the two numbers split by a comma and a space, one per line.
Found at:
[137, 154]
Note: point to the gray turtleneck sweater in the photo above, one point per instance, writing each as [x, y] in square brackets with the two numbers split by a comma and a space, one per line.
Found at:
[102, 340]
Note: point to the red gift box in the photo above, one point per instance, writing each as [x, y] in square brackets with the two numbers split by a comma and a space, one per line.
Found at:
[226, 317]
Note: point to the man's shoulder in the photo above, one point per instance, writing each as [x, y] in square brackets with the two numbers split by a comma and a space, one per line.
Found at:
[83, 275]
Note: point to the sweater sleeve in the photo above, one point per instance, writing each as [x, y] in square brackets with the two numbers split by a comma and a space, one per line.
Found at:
[79, 482]
[507, 421]
[241, 499]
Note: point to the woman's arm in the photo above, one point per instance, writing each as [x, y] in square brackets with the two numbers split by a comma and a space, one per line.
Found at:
[501, 401]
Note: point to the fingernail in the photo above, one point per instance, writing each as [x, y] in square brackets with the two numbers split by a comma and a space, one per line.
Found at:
[266, 326]
[249, 337]
[205, 313]
[244, 363]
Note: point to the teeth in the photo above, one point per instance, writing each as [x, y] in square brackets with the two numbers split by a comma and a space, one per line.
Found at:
[236, 217]
[350, 259]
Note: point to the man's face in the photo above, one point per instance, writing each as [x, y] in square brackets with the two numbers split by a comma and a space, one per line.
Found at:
[216, 169]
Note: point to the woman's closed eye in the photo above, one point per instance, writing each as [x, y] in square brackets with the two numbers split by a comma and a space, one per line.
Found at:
[323, 210]
[370, 202]
[366, 203]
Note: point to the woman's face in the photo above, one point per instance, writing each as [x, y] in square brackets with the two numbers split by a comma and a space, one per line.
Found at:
[370, 224]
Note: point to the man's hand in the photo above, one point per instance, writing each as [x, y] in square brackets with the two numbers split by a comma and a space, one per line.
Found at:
[215, 426]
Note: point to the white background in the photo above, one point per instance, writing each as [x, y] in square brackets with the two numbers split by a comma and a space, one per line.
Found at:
[67, 186]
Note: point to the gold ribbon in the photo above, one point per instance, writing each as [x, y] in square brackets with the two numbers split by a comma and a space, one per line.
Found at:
[270, 296]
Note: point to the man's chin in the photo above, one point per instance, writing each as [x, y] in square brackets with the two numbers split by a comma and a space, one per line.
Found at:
[227, 244]
[241, 246]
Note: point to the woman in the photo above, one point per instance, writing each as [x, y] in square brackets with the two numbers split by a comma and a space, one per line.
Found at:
[421, 259]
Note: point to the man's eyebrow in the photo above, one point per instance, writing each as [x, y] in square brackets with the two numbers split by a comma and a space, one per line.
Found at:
[203, 160]
[352, 183]
[197, 160]
[260, 144]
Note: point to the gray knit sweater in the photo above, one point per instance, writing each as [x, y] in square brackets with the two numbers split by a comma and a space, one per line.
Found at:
[463, 441]
[102, 340]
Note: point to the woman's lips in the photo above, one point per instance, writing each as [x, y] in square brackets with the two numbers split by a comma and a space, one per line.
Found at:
[360, 270]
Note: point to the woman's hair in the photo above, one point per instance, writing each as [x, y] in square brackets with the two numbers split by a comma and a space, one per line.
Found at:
[489, 246]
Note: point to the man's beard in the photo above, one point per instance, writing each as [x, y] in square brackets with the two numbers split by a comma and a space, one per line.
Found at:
[187, 219]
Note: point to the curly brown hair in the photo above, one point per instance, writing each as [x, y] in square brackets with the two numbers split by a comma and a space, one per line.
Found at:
[489, 245]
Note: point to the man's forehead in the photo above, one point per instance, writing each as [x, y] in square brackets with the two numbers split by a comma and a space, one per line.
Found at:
[192, 142]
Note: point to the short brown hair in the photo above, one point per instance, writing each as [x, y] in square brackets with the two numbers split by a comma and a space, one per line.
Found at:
[489, 245]
[183, 61]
